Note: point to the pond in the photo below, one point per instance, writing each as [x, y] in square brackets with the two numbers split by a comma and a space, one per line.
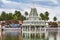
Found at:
[30, 36]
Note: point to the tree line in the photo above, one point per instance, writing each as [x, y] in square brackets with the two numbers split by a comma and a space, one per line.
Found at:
[12, 16]
[45, 16]
[17, 15]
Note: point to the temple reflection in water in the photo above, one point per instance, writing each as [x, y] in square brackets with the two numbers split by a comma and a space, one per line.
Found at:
[29, 36]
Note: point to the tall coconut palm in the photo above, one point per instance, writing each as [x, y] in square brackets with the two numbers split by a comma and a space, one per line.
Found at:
[46, 15]
[54, 18]
[42, 16]
[26, 14]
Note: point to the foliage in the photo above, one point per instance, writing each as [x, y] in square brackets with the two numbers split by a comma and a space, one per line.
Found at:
[3, 15]
[26, 13]
[44, 16]
[47, 13]
[12, 16]
[17, 16]
[54, 18]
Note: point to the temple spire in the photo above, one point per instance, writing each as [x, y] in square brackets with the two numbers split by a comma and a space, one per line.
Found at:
[33, 4]
[33, 11]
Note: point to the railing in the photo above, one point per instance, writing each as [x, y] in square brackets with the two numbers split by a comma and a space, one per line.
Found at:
[50, 29]
[11, 29]
[44, 30]
[40, 29]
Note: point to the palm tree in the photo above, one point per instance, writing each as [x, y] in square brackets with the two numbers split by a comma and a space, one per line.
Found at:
[54, 18]
[26, 13]
[42, 16]
[46, 15]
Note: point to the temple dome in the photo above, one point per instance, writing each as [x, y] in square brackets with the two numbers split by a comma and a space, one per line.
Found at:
[33, 14]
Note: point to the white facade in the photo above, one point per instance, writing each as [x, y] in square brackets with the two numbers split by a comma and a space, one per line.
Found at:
[33, 23]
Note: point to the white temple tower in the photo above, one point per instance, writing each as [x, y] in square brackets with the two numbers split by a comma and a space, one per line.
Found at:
[33, 23]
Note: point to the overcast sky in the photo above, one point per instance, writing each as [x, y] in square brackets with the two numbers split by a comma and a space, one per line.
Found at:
[52, 6]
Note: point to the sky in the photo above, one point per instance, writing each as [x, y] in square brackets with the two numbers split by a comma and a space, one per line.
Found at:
[52, 6]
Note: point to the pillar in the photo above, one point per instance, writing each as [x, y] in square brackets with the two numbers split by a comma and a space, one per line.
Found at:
[29, 35]
[40, 32]
[29, 29]
[25, 35]
[35, 29]
[46, 35]
[26, 28]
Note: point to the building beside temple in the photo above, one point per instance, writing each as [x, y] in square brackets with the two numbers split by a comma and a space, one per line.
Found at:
[58, 23]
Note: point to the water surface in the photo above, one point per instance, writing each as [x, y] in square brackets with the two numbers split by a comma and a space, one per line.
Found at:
[29, 36]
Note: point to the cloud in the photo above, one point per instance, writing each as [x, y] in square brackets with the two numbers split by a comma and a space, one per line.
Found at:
[7, 10]
[45, 3]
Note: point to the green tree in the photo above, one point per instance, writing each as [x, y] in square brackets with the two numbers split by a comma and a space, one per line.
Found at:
[46, 15]
[18, 14]
[42, 16]
[46, 18]
[3, 15]
[10, 16]
[23, 18]
[26, 13]
[15, 17]
[7, 17]
[0, 18]
[54, 18]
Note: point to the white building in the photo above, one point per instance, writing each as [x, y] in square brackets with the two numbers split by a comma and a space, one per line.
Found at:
[33, 22]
